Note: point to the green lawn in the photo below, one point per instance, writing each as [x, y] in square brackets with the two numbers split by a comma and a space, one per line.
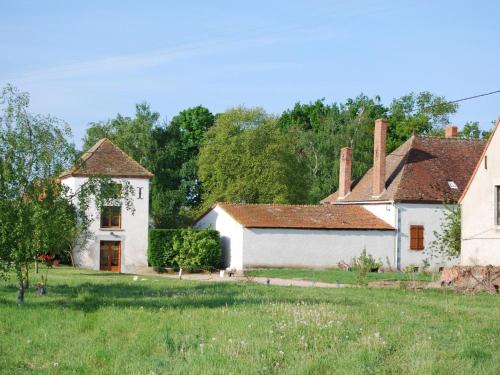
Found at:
[334, 275]
[104, 323]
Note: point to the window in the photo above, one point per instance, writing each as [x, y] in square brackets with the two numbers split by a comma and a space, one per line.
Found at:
[111, 217]
[140, 193]
[416, 237]
[485, 161]
[498, 205]
[452, 185]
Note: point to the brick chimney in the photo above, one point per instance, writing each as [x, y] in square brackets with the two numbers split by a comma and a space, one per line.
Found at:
[451, 131]
[379, 141]
[345, 172]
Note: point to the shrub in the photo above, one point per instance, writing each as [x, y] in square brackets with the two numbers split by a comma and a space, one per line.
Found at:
[198, 249]
[161, 253]
[362, 265]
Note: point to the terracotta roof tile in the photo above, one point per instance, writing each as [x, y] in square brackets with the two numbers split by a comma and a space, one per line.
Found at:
[419, 171]
[106, 159]
[304, 216]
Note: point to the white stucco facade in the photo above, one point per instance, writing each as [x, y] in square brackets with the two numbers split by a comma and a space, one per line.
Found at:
[311, 248]
[480, 229]
[324, 248]
[283, 247]
[231, 234]
[132, 234]
[428, 215]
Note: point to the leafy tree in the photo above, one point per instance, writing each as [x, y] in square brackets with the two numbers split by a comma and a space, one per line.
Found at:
[248, 158]
[447, 241]
[423, 113]
[35, 210]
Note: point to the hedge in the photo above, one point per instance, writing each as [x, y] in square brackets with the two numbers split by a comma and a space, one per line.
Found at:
[193, 250]
[160, 250]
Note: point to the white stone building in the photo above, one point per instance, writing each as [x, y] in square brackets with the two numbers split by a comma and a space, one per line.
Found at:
[119, 236]
[406, 190]
[480, 204]
[409, 187]
[278, 235]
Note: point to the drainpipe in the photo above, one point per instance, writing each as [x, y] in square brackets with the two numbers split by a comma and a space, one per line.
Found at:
[397, 238]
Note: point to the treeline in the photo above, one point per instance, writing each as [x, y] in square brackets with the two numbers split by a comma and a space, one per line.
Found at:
[248, 155]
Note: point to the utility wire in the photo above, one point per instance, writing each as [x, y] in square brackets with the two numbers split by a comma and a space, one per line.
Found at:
[458, 100]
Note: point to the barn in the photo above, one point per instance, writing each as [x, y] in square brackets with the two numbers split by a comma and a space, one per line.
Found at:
[312, 236]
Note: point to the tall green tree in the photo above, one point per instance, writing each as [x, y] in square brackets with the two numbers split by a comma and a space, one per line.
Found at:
[248, 158]
[36, 212]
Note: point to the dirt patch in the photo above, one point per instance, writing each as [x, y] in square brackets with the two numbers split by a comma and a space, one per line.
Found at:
[472, 279]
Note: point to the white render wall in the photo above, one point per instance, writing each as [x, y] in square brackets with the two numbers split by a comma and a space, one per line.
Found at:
[480, 234]
[428, 215]
[133, 233]
[311, 248]
[231, 233]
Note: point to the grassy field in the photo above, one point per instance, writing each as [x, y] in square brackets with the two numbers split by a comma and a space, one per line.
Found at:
[337, 275]
[105, 323]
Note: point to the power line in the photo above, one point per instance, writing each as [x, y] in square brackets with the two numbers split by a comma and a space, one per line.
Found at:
[458, 100]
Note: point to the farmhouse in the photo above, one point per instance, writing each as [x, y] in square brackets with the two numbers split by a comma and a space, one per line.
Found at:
[480, 205]
[119, 236]
[392, 211]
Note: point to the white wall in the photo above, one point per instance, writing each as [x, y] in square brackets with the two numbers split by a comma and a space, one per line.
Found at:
[133, 233]
[480, 234]
[231, 233]
[428, 215]
[384, 211]
[277, 247]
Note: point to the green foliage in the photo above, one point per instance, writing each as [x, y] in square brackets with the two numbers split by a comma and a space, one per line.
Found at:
[38, 215]
[248, 158]
[169, 152]
[447, 241]
[198, 250]
[471, 130]
[161, 253]
[362, 265]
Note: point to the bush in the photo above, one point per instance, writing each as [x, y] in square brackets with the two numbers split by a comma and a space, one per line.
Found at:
[198, 250]
[161, 253]
[364, 264]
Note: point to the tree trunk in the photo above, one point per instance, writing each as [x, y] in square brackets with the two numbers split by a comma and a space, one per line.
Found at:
[36, 266]
[20, 296]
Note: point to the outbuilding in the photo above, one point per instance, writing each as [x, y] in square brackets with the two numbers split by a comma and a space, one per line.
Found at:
[312, 236]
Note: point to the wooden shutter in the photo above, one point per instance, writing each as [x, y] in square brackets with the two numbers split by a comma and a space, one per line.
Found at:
[416, 237]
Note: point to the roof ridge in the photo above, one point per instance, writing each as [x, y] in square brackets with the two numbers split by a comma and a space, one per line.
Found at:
[404, 162]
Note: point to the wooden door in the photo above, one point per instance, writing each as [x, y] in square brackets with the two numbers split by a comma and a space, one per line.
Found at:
[111, 255]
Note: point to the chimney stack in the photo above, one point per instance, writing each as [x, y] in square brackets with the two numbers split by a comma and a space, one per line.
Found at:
[451, 131]
[345, 172]
[379, 142]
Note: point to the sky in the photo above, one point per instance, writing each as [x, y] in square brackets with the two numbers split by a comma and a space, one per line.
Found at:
[86, 61]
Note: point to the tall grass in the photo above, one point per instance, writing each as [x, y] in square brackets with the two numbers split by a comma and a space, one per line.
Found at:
[102, 323]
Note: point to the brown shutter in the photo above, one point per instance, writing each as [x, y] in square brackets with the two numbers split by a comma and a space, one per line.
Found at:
[413, 237]
[420, 237]
[416, 237]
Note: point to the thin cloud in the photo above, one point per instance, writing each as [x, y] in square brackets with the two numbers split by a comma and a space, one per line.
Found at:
[150, 59]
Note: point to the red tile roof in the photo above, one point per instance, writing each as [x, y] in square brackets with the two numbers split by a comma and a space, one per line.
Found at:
[106, 159]
[419, 171]
[304, 216]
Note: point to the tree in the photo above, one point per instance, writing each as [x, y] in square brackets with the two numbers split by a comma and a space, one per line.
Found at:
[422, 113]
[248, 158]
[35, 210]
[447, 241]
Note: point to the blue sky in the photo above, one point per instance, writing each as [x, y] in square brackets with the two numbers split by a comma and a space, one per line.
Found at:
[89, 60]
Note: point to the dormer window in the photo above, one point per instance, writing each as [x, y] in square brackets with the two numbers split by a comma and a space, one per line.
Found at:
[452, 185]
